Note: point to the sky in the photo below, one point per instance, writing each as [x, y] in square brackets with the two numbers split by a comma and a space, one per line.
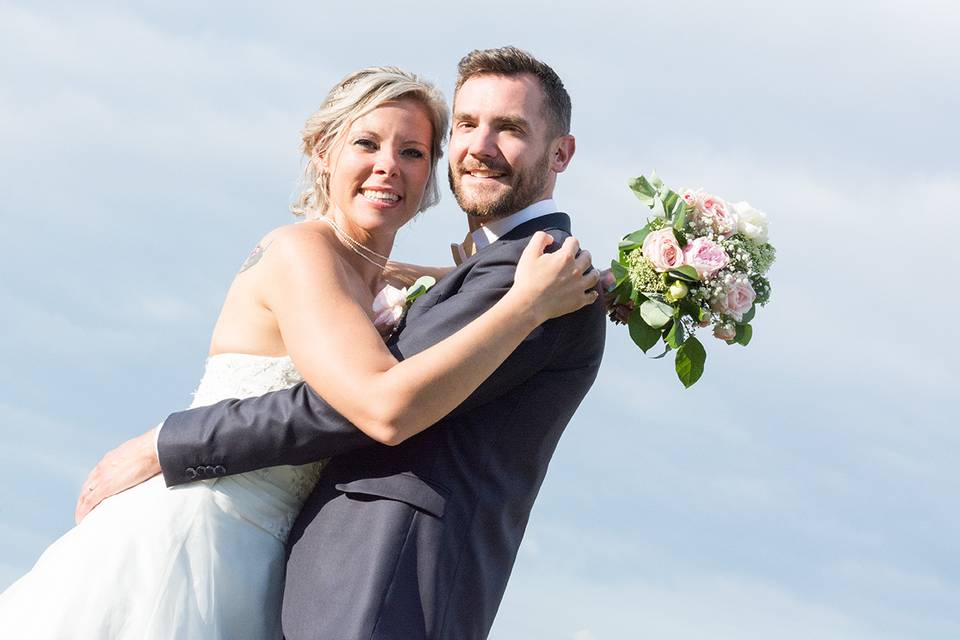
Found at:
[804, 488]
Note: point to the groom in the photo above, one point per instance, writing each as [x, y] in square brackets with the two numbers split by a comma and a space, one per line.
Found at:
[417, 540]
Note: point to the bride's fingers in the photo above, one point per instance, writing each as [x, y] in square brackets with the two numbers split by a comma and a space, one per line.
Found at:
[591, 278]
[570, 246]
[536, 245]
[583, 262]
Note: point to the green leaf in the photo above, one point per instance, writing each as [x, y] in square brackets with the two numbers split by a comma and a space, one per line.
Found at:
[670, 200]
[420, 287]
[679, 215]
[642, 334]
[644, 191]
[619, 271]
[744, 334]
[677, 334]
[680, 236]
[634, 240]
[665, 352]
[690, 360]
[656, 313]
[748, 316]
[684, 272]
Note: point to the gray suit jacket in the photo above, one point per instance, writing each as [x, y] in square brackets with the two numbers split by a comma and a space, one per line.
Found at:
[418, 540]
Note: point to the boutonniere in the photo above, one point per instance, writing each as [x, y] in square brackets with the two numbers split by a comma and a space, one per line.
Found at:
[392, 303]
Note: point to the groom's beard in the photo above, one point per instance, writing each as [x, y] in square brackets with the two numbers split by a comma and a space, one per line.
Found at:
[526, 187]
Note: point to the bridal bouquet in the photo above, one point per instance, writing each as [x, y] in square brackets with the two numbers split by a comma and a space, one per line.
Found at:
[699, 261]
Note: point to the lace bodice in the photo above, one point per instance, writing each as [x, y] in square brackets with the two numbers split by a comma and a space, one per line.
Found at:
[242, 375]
[274, 495]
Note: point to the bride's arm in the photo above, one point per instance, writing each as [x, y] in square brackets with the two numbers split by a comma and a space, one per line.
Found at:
[343, 358]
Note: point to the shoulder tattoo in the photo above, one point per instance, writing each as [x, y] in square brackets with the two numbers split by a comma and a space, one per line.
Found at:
[254, 256]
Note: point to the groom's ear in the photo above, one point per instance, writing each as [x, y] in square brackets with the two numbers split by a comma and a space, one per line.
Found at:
[563, 149]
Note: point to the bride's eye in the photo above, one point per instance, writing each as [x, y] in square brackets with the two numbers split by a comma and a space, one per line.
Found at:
[366, 143]
[414, 153]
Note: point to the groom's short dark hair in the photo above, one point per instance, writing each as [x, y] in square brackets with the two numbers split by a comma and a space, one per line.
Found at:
[511, 61]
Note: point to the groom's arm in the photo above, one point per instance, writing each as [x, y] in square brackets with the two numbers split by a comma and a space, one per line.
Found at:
[296, 425]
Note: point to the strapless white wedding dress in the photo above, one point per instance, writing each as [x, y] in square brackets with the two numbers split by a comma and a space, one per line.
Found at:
[203, 561]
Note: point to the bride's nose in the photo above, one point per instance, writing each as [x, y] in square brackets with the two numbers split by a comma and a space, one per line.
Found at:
[386, 163]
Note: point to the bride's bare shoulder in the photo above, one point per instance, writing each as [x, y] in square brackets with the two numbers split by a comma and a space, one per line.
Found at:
[287, 246]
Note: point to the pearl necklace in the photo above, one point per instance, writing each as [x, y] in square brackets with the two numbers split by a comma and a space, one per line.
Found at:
[355, 246]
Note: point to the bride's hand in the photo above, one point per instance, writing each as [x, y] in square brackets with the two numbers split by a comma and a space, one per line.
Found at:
[554, 284]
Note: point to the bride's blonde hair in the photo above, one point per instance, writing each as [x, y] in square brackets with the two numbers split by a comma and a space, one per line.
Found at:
[357, 95]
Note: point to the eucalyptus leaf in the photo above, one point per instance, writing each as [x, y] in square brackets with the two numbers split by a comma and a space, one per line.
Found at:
[655, 180]
[643, 190]
[642, 334]
[691, 358]
[656, 313]
[658, 210]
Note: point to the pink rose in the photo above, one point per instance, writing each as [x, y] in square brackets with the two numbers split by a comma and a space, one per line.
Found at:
[388, 308]
[705, 256]
[662, 250]
[737, 298]
[716, 213]
[689, 197]
[725, 331]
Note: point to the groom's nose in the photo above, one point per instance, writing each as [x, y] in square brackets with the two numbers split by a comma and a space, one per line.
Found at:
[483, 143]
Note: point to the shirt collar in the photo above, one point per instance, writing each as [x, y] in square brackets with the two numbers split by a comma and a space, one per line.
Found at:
[492, 231]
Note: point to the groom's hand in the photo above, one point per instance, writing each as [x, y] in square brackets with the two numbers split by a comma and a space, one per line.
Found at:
[126, 466]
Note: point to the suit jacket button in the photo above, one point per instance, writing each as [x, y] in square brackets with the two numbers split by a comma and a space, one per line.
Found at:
[220, 470]
[190, 472]
[201, 471]
[210, 470]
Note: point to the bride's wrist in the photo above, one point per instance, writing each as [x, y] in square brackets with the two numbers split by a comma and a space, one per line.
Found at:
[525, 309]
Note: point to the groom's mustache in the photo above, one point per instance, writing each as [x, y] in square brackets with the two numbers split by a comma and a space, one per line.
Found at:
[469, 167]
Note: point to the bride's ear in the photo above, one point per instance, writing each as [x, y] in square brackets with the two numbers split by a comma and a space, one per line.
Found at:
[319, 163]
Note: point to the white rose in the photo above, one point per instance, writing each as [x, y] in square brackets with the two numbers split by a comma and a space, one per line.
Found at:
[388, 306]
[389, 297]
[751, 223]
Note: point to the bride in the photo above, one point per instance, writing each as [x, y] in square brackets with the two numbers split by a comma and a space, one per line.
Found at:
[206, 560]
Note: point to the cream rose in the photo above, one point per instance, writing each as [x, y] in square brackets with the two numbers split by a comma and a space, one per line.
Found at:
[751, 223]
[662, 250]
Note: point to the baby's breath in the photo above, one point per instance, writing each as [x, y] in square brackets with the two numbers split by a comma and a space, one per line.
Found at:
[642, 274]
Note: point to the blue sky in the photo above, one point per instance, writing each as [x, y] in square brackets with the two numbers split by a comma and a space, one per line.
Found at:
[805, 488]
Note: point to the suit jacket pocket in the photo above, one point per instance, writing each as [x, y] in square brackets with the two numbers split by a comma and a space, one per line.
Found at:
[403, 487]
